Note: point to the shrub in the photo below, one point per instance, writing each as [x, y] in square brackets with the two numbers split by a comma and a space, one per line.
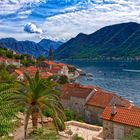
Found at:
[70, 115]
[134, 136]
[63, 79]
[43, 134]
[76, 137]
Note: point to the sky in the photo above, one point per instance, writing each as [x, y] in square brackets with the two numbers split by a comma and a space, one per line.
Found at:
[62, 19]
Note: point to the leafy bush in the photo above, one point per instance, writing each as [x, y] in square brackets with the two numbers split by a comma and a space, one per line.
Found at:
[7, 109]
[63, 79]
[70, 115]
[134, 136]
[72, 69]
[76, 137]
[43, 134]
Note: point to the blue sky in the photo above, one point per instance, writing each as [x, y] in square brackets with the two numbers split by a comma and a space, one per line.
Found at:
[62, 19]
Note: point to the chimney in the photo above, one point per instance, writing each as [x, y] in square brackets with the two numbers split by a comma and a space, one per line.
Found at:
[77, 85]
[113, 110]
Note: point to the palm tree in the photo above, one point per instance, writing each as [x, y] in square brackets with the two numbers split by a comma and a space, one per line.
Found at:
[5, 76]
[7, 108]
[35, 96]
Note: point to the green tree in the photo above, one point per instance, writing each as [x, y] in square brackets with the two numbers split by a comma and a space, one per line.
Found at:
[36, 95]
[134, 136]
[5, 76]
[41, 58]
[63, 79]
[7, 108]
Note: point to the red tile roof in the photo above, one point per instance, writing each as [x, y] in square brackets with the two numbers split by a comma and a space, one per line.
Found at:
[31, 69]
[2, 59]
[100, 99]
[124, 116]
[18, 72]
[75, 90]
[45, 74]
[49, 62]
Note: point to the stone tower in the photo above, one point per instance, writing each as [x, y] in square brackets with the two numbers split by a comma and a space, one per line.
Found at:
[50, 55]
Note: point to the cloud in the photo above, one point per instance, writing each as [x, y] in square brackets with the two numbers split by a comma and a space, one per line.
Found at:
[63, 19]
[68, 25]
[9, 7]
[32, 28]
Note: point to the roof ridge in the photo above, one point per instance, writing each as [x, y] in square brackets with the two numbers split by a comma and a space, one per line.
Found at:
[124, 108]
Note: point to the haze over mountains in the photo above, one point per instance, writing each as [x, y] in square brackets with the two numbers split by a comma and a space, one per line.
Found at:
[116, 41]
[119, 41]
[29, 47]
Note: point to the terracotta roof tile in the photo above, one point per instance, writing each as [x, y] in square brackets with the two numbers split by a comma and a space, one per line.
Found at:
[2, 59]
[45, 74]
[124, 116]
[18, 72]
[49, 62]
[100, 99]
[31, 69]
[75, 90]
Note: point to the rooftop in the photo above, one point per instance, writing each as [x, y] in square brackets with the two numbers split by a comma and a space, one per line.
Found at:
[2, 59]
[123, 115]
[19, 72]
[100, 99]
[75, 90]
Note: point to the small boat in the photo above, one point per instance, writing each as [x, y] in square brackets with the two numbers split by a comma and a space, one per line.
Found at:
[122, 65]
[89, 75]
[89, 78]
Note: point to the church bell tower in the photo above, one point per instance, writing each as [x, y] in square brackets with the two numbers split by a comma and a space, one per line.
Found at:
[50, 55]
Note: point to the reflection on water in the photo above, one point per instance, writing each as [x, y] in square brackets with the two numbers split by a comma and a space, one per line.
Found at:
[122, 78]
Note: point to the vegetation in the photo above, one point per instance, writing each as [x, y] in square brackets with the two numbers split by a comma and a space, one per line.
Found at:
[8, 109]
[27, 62]
[60, 79]
[63, 79]
[24, 59]
[72, 69]
[41, 58]
[35, 96]
[44, 134]
[134, 136]
[30, 47]
[70, 115]
[5, 76]
[119, 41]
[76, 137]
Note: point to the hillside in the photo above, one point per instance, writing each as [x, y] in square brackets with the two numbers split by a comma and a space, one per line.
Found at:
[117, 41]
[29, 47]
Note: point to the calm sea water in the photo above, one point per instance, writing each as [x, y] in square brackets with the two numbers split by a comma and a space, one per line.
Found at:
[122, 78]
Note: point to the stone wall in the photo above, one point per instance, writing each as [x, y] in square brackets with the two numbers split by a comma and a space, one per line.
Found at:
[92, 114]
[65, 103]
[75, 104]
[108, 129]
[78, 106]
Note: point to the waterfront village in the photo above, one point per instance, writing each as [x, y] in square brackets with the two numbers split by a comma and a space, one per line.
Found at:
[106, 116]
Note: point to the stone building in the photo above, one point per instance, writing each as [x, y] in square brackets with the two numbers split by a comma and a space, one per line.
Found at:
[89, 101]
[73, 96]
[119, 122]
[7, 62]
[99, 101]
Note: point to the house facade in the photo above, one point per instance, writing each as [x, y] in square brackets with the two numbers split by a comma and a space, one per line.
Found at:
[88, 101]
[119, 123]
[7, 62]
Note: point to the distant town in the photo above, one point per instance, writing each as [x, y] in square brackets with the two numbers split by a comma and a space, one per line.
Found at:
[104, 115]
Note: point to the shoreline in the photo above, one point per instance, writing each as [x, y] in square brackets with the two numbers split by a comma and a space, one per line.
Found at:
[98, 60]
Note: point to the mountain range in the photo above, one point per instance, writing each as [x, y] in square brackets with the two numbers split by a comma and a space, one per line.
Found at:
[30, 47]
[115, 41]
